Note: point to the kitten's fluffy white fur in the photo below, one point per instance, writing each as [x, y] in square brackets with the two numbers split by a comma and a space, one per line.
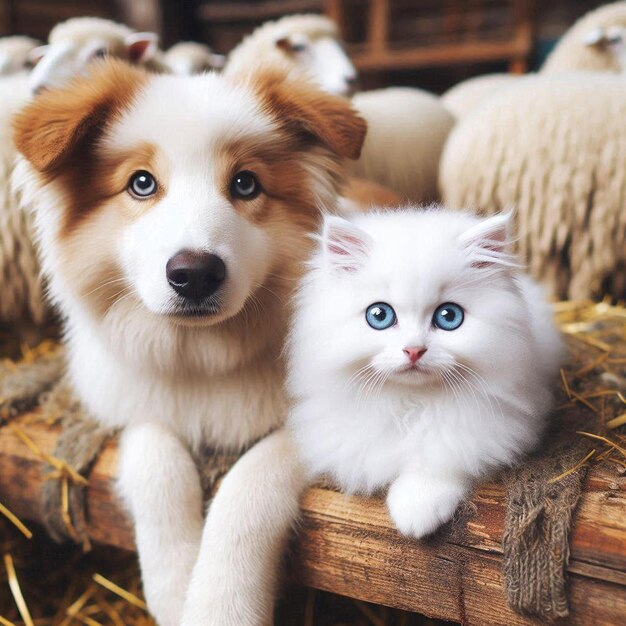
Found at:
[478, 396]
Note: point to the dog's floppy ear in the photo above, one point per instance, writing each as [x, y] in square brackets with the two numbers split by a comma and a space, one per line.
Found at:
[301, 105]
[50, 129]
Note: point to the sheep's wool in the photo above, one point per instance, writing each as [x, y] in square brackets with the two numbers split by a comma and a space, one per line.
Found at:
[553, 148]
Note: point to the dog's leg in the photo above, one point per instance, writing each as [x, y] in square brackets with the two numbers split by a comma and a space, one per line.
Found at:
[160, 484]
[234, 580]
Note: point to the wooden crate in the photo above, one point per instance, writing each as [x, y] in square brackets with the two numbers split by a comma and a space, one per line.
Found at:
[348, 545]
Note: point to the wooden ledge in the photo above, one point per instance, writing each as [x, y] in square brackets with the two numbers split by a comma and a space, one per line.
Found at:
[348, 545]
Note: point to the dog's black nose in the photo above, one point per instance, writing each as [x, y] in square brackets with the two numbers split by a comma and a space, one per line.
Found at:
[195, 275]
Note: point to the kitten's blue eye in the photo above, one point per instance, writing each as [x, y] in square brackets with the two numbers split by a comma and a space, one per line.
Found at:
[380, 316]
[448, 316]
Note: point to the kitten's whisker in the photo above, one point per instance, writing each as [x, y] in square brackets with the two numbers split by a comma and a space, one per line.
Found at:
[357, 375]
[462, 381]
[490, 397]
[371, 385]
[453, 386]
[378, 384]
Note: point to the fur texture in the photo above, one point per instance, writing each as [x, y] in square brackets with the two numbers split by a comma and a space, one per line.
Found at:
[413, 407]
[138, 358]
[551, 146]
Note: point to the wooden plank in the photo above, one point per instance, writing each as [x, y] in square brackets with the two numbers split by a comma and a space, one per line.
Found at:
[348, 545]
[378, 26]
[523, 20]
[449, 54]
[334, 10]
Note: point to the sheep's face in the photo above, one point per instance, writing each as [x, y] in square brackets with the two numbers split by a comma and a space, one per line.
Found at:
[179, 199]
[17, 54]
[324, 59]
[611, 40]
[62, 60]
[189, 58]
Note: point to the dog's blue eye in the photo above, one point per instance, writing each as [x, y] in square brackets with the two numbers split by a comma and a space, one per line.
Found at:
[142, 184]
[245, 186]
[448, 316]
[380, 316]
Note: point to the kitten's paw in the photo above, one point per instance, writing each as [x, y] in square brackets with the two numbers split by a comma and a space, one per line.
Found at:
[418, 505]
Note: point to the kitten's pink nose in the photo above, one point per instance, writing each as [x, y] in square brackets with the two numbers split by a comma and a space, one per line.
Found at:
[415, 354]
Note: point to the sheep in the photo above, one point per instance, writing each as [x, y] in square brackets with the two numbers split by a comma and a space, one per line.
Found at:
[22, 293]
[189, 57]
[465, 96]
[16, 54]
[75, 42]
[590, 43]
[553, 147]
[406, 127]
[307, 43]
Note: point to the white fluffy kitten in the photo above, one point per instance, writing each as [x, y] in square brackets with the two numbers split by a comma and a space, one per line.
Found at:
[421, 357]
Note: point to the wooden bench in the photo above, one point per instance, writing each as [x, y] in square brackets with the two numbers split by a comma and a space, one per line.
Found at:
[348, 545]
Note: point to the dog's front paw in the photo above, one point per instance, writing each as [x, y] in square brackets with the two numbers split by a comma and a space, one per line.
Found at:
[419, 505]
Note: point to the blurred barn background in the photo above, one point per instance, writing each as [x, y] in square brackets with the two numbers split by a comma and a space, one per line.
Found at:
[429, 43]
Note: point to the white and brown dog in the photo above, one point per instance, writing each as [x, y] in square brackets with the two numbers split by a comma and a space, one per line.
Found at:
[173, 215]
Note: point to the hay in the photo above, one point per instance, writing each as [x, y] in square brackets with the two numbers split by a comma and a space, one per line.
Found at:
[595, 376]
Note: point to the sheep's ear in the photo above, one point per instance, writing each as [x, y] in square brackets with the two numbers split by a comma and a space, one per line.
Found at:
[296, 42]
[346, 247]
[284, 43]
[58, 122]
[489, 242]
[38, 53]
[142, 47]
[303, 107]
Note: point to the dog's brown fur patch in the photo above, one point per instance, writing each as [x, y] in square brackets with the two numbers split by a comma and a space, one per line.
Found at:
[58, 133]
[279, 171]
[304, 108]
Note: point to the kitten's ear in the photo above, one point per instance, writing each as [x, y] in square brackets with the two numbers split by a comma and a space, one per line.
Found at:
[489, 242]
[346, 247]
